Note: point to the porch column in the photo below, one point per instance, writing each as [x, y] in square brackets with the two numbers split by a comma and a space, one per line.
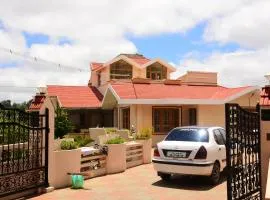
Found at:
[118, 117]
[133, 116]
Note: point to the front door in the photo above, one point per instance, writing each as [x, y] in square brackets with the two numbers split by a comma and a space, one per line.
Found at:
[126, 118]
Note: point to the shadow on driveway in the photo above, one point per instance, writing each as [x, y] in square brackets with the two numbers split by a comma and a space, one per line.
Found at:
[199, 183]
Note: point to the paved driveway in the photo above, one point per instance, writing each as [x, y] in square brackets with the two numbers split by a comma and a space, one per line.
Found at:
[141, 183]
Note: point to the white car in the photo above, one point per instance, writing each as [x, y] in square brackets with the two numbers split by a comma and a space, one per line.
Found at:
[191, 151]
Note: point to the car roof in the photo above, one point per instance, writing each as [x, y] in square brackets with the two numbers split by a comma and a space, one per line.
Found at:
[199, 127]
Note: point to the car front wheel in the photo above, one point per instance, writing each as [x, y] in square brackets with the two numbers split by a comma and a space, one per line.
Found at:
[215, 176]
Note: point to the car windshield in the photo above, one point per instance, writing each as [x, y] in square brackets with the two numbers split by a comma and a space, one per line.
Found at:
[188, 135]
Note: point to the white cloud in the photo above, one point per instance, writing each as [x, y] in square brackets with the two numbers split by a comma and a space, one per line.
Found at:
[234, 69]
[12, 40]
[88, 20]
[98, 32]
[248, 26]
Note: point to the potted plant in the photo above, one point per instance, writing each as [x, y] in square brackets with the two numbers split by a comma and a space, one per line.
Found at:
[145, 138]
[66, 160]
[116, 157]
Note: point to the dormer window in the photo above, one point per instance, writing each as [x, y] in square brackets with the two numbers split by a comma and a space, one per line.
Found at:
[121, 70]
[156, 72]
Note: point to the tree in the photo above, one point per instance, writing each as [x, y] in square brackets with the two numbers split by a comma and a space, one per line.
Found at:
[22, 106]
[6, 103]
[62, 123]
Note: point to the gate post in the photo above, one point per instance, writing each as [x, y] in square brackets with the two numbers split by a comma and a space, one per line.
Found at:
[265, 140]
[47, 131]
[48, 110]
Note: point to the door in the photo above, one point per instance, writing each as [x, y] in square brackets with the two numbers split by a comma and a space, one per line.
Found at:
[221, 150]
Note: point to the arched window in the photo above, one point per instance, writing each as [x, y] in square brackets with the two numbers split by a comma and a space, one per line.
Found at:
[121, 70]
[156, 71]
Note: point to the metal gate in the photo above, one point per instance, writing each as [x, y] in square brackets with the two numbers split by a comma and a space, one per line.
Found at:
[243, 153]
[23, 150]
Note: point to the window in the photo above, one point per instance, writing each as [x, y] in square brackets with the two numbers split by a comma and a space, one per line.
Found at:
[121, 70]
[126, 118]
[165, 119]
[218, 137]
[192, 116]
[156, 72]
[82, 119]
[188, 135]
[223, 133]
[265, 115]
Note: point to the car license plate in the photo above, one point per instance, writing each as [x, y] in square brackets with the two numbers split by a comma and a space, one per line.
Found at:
[176, 154]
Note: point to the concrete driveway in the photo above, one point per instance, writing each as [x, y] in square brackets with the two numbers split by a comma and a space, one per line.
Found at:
[141, 183]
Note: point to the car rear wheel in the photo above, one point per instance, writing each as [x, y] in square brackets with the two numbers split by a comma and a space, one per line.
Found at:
[165, 177]
[215, 176]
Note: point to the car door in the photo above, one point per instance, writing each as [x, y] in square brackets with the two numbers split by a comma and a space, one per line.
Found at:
[221, 150]
[223, 134]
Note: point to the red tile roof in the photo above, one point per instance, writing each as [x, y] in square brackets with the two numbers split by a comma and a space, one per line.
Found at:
[37, 102]
[162, 91]
[139, 59]
[76, 96]
[95, 66]
[265, 96]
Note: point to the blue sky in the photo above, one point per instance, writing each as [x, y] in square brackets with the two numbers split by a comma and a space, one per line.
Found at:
[174, 46]
[169, 46]
[38, 38]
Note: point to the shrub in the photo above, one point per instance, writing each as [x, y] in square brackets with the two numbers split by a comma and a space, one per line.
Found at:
[110, 130]
[82, 141]
[62, 123]
[117, 140]
[68, 145]
[144, 134]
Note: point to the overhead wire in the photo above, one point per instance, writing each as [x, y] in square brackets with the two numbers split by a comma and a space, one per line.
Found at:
[38, 60]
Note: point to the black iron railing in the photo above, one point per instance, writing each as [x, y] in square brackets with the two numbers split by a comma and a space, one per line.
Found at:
[23, 150]
[243, 153]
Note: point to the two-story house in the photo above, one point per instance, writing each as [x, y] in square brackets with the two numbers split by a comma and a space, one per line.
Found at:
[133, 90]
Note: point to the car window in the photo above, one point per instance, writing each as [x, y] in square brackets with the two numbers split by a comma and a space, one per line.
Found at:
[218, 137]
[223, 133]
[188, 135]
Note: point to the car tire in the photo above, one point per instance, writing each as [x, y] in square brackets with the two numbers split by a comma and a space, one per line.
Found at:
[215, 175]
[165, 177]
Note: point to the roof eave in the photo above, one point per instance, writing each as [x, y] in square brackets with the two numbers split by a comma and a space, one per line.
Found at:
[171, 101]
[161, 62]
[81, 108]
[122, 57]
[182, 101]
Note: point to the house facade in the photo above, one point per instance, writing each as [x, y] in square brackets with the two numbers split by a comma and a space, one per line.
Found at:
[132, 90]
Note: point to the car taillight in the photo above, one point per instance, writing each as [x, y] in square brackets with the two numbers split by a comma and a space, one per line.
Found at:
[156, 153]
[202, 153]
